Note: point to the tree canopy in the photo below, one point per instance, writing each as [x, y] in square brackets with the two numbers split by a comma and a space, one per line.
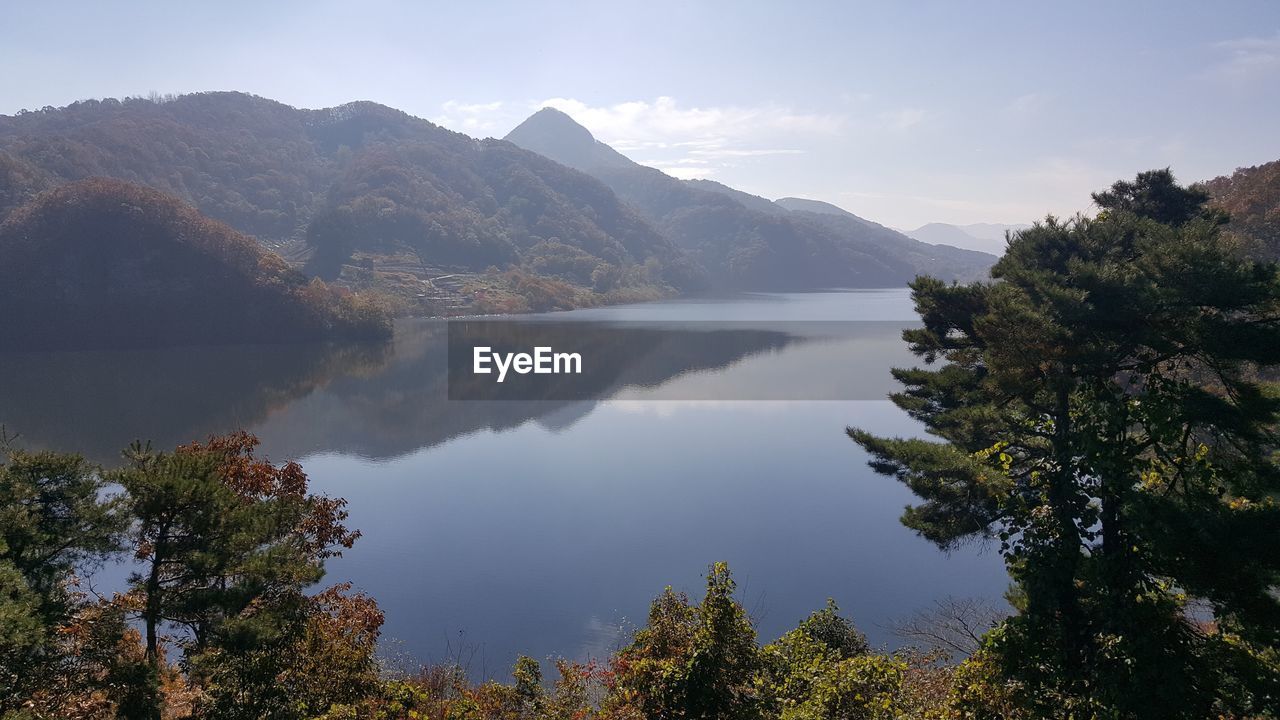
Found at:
[1100, 411]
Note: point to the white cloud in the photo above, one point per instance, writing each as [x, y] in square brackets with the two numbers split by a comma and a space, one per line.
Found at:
[475, 119]
[715, 137]
[665, 120]
[1247, 59]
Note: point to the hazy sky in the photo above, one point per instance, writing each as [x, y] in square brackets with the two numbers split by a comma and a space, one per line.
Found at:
[904, 113]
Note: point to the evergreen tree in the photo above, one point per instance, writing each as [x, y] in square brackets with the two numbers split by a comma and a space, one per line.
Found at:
[55, 519]
[692, 661]
[1102, 412]
[228, 543]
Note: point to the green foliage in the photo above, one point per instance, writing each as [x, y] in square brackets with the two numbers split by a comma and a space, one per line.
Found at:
[55, 518]
[1101, 416]
[980, 691]
[23, 635]
[834, 631]
[807, 679]
[693, 661]
[228, 543]
[1155, 196]
[528, 686]
[322, 664]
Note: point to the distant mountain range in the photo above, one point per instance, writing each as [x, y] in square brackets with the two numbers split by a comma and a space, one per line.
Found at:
[745, 241]
[364, 195]
[428, 220]
[436, 222]
[1250, 195]
[983, 237]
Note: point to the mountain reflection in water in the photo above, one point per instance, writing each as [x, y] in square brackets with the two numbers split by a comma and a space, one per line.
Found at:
[545, 527]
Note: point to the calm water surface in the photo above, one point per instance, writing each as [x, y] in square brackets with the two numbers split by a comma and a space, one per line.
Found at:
[544, 528]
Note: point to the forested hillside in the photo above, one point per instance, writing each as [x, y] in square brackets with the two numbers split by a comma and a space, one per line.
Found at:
[746, 241]
[384, 201]
[1252, 197]
[105, 263]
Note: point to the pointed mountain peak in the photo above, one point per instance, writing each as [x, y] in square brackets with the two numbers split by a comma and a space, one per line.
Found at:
[554, 133]
[549, 120]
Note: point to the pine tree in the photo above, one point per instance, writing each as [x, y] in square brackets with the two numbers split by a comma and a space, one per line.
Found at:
[228, 543]
[55, 519]
[1102, 411]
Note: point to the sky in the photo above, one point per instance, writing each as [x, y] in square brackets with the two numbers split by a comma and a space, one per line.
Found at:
[902, 112]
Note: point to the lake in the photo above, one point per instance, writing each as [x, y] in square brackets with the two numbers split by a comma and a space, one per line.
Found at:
[499, 527]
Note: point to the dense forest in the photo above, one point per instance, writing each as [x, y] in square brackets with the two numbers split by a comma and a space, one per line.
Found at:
[744, 240]
[105, 263]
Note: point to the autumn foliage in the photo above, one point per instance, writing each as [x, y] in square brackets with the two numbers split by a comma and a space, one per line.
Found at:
[103, 263]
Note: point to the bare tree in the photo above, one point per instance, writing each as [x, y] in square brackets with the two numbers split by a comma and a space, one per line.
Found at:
[953, 625]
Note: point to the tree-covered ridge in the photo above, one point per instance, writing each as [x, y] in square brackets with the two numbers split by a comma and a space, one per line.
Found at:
[373, 196]
[241, 159]
[473, 205]
[104, 263]
[744, 241]
[1252, 198]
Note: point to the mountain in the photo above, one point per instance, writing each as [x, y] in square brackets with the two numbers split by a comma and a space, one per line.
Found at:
[744, 241]
[983, 237]
[366, 195]
[751, 202]
[1252, 197]
[105, 263]
[816, 206]
[936, 259]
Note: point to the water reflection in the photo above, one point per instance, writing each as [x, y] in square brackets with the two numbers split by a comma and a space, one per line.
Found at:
[541, 527]
[382, 402]
[97, 402]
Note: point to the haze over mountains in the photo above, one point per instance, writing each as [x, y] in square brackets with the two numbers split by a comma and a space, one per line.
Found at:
[427, 220]
[436, 222]
[366, 195]
[746, 241]
[984, 237]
